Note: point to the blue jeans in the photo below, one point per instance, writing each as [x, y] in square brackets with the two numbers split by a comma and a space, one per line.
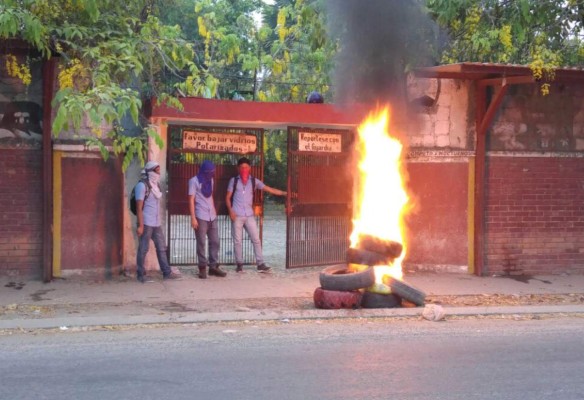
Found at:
[251, 228]
[208, 229]
[154, 232]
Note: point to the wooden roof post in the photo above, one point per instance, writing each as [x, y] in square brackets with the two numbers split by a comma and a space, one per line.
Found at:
[484, 118]
[49, 67]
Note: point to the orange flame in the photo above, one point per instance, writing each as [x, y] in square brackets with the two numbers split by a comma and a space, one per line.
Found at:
[382, 197]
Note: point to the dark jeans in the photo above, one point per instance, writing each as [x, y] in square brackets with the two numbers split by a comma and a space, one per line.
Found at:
[208, 229]
[154, 232]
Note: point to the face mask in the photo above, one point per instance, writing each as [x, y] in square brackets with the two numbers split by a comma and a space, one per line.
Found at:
[244, 174]
[206, 181]
[209, 174]
[153, 177]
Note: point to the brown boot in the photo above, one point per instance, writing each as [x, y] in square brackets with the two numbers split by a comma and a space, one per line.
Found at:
[216, 271]
[202, 272]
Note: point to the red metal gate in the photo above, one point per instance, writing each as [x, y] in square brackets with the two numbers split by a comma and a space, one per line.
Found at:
[188, 147]
[320, 194]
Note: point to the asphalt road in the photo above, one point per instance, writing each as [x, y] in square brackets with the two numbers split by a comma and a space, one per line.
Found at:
[467, 359]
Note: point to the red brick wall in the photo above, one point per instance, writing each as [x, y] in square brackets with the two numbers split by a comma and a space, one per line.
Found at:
[21, 211]
[535, 215]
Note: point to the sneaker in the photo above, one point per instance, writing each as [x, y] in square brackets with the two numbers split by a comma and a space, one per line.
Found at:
[264, 268]
[173, 276]
[145, 279]
[217, 271]
[239, 268]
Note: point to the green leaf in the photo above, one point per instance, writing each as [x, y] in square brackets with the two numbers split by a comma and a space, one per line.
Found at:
[525, 10]
[60, 121]
[154, 134]
[92, 10]
[134, 112]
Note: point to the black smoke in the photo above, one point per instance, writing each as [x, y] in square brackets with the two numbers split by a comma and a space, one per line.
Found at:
[379, 40]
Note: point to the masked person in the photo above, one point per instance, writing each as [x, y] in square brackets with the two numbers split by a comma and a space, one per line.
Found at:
[149, 213]
[239, 201]
[204, 219]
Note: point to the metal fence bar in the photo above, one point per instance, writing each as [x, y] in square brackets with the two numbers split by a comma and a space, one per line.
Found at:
[317, 241]
[183, 244]
[319, 226]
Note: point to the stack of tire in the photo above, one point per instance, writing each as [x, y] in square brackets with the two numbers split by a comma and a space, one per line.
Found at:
[341, 287]
[353, 286]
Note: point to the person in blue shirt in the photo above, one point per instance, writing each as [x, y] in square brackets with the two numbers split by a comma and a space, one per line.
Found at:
[148, 211]
[204, 219]
[242, 214]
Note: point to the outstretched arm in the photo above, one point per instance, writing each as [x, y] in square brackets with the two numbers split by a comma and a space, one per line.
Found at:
[276, 192]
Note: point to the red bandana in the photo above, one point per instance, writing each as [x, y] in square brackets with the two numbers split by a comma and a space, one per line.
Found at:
[244, 176]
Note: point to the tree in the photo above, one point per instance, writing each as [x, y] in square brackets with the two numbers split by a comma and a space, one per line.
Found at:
[221, 32]
[276, 160]
[297, 54]
[112, 54]
[277, 52]
[545, 34]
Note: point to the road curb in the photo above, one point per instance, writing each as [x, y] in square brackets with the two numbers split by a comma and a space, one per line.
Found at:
[282, 316]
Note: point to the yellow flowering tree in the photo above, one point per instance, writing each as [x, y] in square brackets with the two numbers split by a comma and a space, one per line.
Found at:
[18, 70]
[264, 51]
[112, 54]
[221, 32]
[298, 54]
[544, 34]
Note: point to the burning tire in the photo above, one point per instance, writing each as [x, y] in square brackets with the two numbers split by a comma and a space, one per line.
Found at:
[334, 300]
[387, 248]
[366, 257]
[376, 300]
[406, 291]
[338, 277]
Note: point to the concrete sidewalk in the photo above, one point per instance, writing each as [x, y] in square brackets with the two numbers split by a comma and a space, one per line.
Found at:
[282, 295]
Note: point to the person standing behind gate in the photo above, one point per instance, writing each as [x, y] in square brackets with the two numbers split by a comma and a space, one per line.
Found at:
[204, 219]
[239, 201]
[148, 197]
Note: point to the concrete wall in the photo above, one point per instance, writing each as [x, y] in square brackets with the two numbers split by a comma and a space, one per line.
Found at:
[438, 167]
[444, 125]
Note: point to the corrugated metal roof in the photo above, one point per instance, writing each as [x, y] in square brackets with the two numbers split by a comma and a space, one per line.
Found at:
[478, 71]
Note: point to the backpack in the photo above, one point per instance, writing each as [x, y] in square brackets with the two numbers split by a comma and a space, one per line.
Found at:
[236, 179]
[133, 195]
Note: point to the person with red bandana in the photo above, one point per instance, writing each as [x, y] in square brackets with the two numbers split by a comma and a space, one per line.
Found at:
[239, 201]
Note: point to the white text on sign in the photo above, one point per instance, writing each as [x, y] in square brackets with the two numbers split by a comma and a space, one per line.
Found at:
[320, 142]
[220, 142]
